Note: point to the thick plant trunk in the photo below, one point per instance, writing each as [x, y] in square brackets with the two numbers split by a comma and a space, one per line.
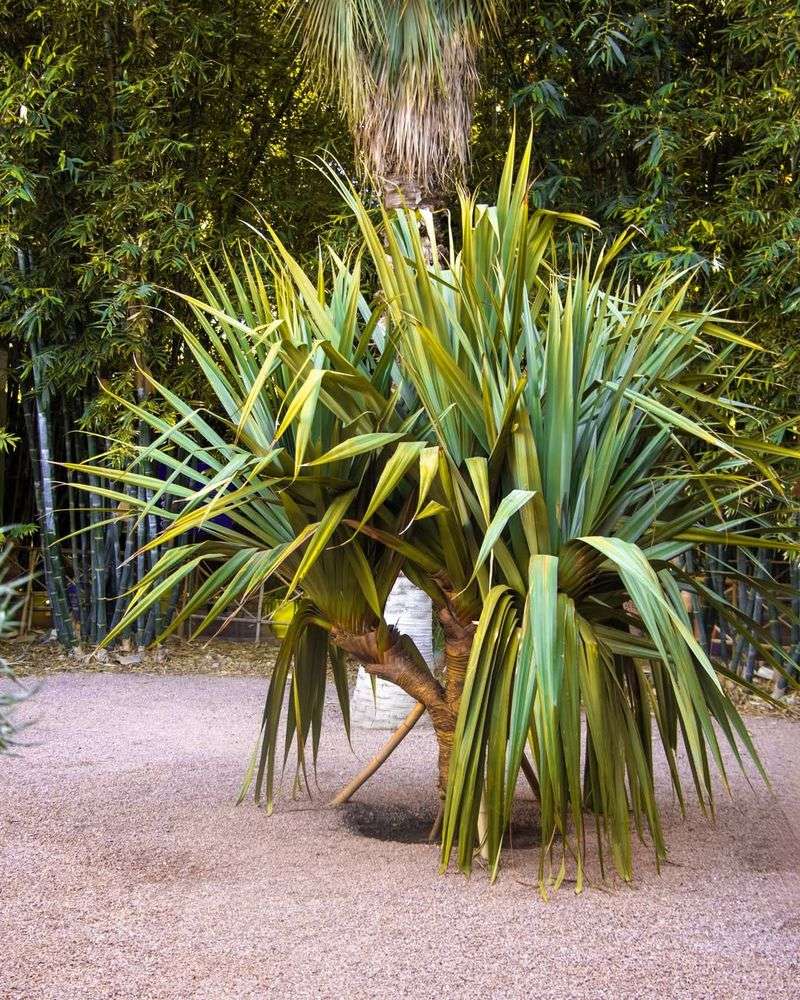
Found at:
[458, 636]
[401, 192]
[408, 608]
[398, 662]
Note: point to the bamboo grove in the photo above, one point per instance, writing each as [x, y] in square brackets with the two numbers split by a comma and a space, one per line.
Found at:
[534, 439]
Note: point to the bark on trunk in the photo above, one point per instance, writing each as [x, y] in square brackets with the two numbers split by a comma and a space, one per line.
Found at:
[400, 663]
[401, 192]
[458, 636]
[397, 660]
[406, 193]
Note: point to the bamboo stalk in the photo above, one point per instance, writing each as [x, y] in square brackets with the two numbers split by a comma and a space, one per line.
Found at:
[97, 544]
[37, 421]
[72, 506]
[141, 621]
[64, 614]
[145, 624]
[153, 627]
[698, 619]
[43, 495]
[112, 558]
[26, 618]
[3, 423]
[782, 683]
[86, 579]
[124, 570]
[717, 580]
[259, 612]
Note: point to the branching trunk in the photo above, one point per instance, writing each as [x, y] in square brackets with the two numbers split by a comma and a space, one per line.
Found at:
[397, 660]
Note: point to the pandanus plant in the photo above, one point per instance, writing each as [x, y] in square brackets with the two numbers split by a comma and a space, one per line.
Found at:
[403, 74]
[588, 433]
[534, 444]
[307, 431]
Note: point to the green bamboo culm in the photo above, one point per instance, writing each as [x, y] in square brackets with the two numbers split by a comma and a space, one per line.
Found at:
[125, 568]
[75, 523]
[99, 624]
[38, 414]
[37, 419]
[51, 553]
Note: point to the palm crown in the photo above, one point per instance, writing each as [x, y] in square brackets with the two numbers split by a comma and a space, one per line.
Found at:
[403, 73]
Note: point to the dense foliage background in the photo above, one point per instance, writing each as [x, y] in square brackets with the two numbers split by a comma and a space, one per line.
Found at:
[137, 137]
[678, 118]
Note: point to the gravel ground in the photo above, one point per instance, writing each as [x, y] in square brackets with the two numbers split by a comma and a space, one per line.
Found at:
[127, 871]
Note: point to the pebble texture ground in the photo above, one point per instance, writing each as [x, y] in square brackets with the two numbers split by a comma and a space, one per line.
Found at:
[126, 871]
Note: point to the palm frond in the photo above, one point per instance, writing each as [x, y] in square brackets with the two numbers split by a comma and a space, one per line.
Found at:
[403, 74]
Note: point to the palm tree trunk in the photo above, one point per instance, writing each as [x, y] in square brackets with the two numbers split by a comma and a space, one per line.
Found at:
[402, 192]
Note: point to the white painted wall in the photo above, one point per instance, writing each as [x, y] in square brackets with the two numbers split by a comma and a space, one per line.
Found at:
[411, 611]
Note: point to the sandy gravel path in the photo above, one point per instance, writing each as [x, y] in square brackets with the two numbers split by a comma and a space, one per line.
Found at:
[127, 871]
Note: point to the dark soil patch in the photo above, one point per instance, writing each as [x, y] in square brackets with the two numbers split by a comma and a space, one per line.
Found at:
[402, 825]
[396, 824]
